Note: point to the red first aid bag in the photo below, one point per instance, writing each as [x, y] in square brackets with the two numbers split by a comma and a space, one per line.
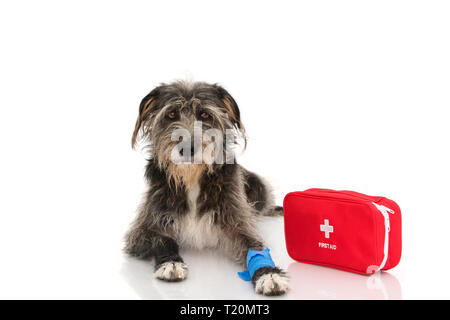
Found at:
[343, 229]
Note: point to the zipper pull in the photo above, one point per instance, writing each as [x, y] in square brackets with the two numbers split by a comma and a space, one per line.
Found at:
[383, 209]
[385, 212]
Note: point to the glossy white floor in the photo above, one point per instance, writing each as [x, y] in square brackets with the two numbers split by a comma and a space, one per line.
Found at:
[90, 265]
[214, 277]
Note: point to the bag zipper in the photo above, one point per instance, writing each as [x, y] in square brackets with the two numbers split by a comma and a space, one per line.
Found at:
[350, 194]
[387, 226]
[328, 197]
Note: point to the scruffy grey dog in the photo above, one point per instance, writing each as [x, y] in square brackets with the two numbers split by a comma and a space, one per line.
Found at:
[199, 204]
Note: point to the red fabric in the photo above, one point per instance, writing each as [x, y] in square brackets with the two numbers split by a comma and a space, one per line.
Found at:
[356, 242]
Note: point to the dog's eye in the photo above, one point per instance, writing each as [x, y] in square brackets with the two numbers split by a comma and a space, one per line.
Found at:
[171, 115]
[204, 115]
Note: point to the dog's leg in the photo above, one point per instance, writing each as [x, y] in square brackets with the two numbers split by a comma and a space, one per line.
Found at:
[169, 265]
[259, 195]
[268, 281]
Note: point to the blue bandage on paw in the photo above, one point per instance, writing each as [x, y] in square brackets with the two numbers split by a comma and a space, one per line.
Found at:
[256, 259]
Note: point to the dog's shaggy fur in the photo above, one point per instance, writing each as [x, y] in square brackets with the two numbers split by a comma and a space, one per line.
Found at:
[197, 204]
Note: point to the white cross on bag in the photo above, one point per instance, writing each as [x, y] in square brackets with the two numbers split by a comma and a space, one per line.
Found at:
[326, 228]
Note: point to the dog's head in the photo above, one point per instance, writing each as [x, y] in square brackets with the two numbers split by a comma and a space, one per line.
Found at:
[188, 125]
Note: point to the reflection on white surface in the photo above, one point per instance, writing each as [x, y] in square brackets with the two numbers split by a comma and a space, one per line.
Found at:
[316, 282]
[213, 276]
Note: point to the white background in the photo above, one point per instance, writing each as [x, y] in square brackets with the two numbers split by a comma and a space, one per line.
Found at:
[336, 94]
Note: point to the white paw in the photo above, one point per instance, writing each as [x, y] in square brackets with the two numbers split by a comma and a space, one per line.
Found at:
[171, 271]
[272, 284]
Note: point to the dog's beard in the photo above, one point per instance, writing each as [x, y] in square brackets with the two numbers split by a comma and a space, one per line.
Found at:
[181, 172]
[185, 173]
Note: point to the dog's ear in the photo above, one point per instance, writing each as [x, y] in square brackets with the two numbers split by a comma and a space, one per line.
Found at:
[233, 111]
[145, 108]
[231, 106]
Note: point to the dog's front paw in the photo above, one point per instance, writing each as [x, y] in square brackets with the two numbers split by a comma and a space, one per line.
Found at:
[270, 282]
[171, 271]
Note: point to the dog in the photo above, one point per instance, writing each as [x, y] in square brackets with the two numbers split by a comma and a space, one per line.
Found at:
[198, 204]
